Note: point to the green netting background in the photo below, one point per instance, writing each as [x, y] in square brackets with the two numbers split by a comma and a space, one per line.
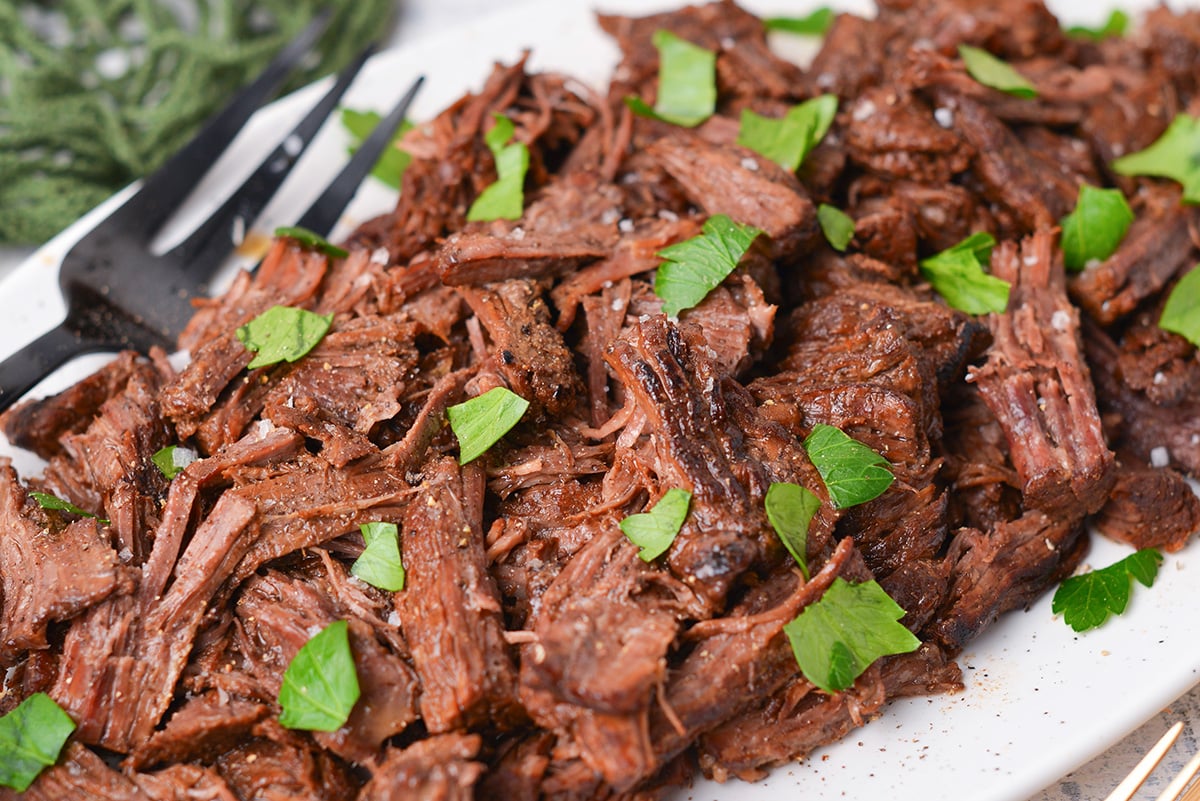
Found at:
[95, 93]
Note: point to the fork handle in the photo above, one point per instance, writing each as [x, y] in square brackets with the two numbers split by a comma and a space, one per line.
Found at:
[21, 371]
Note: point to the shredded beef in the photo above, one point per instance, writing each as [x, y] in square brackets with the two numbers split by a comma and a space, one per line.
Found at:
[52, 570]
[605, 605]
[903, 139]
[1150, 507]
[82, 775]
[696, 447]
[1037, 383]
[105, 467]
[536, 651]
[439, 768]
[1004, 568]
[1156, 248]
[276, 614]
[451, 609]
[284, 767]
[533, 359]
[39, 425]
[723, 179]
[202, 729]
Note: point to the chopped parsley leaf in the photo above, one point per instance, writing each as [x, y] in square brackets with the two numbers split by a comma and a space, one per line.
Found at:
[687, 83]
[1181, 314]
[31, 738]
[1096, 227]
[852, 472]
[283, 334]
[957, 275]
[815, 24]
[1086, 601]
[653, 531]
[696, 266]
[788, 139]
[393, 161]
[1174, 155]
[480, 422]
[379, 564]
[320, 685]
[837, 225]
[991, 71]
[790, 509]
[504, 199]
[838, 637]
[311, 240]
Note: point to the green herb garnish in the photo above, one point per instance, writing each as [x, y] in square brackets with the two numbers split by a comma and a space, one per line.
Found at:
[1174, 155]
[379, 564]
[852, 472]
[31, 738]
[1117, 23]
[394, 161]
[991, 71]
[1096, 227]
[56, 504]
[1181, 314]
[172, 459]
[655, 530]
[283, 334]
[1086, 601]
[311, 240]
[978, 244]
[815, 24]
[788, 139]
[320, 685]
[838, 637]
[687, 83]
[837, 225]
[696, 266]
[505, 199]
[790, 509]
[958, 276]
[480, 422]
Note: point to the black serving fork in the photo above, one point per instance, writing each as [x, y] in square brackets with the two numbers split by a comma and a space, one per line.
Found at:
[120, 295]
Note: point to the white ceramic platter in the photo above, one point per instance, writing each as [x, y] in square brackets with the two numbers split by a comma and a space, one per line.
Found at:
[1039, 700]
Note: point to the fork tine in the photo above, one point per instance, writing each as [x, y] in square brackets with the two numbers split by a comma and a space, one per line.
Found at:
[1129, 785]
[325, 210]
[207, 246]
[162, 191]
[21, 371]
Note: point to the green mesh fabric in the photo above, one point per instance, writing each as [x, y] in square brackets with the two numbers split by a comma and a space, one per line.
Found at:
[95, 93]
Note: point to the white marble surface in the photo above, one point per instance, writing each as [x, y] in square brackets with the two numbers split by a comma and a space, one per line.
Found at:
[420, 18]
